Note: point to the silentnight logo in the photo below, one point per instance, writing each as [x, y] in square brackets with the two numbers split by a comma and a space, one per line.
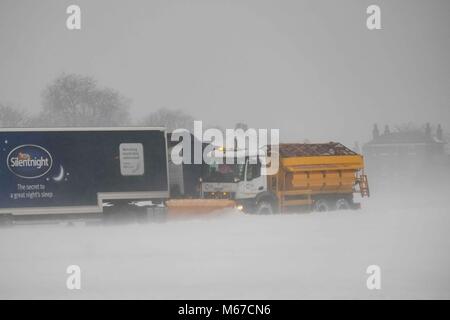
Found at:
[24, 160]
[29, 161]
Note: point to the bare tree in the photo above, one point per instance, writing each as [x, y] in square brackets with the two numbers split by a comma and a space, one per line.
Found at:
[171, 119]
[11, 117]
[75, 100]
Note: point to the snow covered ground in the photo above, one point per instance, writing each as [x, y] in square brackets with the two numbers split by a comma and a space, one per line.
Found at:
[318, 255]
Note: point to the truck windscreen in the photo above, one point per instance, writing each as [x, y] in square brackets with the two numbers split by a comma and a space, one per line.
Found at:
[223, 172]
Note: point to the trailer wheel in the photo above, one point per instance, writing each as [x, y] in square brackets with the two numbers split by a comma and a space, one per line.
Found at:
[265, 207]
[321, 206]
[342, 204]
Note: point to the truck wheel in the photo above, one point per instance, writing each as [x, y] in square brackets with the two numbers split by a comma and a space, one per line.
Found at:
[321, 206]
[342, 204]
[265, 207]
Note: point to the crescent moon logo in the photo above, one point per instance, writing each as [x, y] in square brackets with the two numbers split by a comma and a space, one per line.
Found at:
[60, 176]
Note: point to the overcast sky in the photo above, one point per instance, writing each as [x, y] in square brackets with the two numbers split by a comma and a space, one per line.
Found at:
[309, 68]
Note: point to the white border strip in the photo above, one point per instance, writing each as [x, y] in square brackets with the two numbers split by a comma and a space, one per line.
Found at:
[87, 209]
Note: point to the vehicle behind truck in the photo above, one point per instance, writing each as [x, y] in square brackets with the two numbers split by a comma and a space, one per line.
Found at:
[311, 177]
[80, 171]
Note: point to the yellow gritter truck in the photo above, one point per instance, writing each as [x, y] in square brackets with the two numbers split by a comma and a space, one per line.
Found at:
[311, 177]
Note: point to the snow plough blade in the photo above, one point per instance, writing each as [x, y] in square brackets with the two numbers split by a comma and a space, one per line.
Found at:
[195, 207]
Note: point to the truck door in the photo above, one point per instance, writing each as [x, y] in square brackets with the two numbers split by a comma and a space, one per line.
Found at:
[254, 182]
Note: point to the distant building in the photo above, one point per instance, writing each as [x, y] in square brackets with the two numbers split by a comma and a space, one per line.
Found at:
[405, 152]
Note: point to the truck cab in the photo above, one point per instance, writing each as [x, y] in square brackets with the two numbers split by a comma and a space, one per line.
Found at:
[241, 180]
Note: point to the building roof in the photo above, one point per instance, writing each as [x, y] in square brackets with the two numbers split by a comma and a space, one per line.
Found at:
[404, 137]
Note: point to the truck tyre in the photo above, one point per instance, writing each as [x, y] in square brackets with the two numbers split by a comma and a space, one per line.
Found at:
[342, 204]
[321, 206]
[265, 207]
